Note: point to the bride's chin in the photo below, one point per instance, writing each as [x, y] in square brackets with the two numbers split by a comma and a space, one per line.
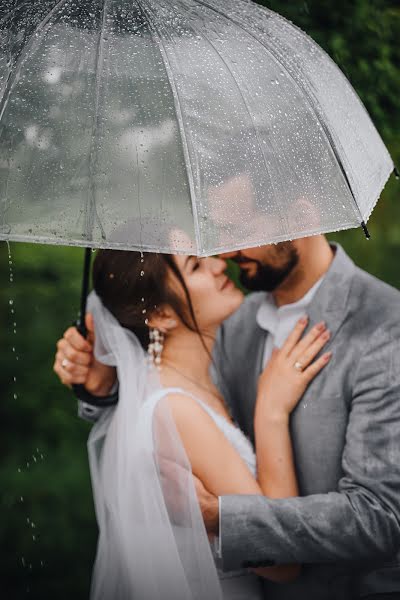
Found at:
[236, 302]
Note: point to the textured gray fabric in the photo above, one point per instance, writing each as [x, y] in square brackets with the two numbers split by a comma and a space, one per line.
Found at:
[346, 438]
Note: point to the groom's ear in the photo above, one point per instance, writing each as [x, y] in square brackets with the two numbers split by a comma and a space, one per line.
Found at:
[163, 318]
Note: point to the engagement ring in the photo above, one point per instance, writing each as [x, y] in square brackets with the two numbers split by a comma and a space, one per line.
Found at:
[297, 365]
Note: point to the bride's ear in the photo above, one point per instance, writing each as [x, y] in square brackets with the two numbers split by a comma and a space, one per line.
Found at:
[164, 319]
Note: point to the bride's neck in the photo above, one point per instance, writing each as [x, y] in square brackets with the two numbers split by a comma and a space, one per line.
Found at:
[190, 354]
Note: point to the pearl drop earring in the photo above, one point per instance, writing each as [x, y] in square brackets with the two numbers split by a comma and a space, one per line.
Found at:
[155, 347]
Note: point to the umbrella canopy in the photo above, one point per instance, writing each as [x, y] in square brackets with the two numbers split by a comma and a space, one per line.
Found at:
[189, 126]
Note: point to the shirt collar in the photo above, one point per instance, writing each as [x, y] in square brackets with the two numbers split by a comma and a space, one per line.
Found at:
[269, 315]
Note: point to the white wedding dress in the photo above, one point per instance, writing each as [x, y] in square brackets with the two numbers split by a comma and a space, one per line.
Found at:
[152, 541]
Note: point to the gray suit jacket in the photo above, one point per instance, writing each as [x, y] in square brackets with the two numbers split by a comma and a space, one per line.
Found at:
[345, 527]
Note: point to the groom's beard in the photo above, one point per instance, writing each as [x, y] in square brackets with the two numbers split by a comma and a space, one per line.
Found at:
[267, 277]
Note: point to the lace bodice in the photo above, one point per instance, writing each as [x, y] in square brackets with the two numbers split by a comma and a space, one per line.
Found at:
[235, 436]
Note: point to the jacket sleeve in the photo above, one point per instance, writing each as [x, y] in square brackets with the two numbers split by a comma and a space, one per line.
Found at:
[88, 412]
[358, 521]
[91, 412]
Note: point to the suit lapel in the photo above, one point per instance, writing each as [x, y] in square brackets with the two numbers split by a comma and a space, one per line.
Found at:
[330, 303]
[254, 365]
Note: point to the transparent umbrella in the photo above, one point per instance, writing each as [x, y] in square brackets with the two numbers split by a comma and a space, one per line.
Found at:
[188, 126]
[192, 126]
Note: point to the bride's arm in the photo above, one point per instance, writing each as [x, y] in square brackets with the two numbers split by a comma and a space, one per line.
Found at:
[280, 387]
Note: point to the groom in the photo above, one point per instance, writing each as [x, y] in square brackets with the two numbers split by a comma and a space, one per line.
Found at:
[344, 529]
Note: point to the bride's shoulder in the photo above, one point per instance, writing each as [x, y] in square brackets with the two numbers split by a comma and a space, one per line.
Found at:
[186, 410]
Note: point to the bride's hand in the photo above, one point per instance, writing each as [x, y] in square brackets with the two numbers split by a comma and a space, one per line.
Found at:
[290, 370]
[75, 362]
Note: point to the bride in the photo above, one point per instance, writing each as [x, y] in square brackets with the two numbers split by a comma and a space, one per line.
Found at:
[156, 319]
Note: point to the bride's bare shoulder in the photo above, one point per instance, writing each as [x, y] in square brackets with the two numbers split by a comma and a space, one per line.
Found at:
[183, 405]
[191, 419]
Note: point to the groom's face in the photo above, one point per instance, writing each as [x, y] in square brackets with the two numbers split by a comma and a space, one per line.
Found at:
[267, 267]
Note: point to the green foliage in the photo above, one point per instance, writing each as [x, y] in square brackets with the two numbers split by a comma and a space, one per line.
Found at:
[40, 429]
[362, 37]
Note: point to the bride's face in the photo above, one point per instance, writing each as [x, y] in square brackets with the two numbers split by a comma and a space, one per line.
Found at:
[214, 296]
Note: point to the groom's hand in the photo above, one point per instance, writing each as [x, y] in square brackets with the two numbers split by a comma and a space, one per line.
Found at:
[209, 506]
[75, 362]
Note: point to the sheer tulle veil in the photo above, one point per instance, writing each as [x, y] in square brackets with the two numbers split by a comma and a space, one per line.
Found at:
[152, 542]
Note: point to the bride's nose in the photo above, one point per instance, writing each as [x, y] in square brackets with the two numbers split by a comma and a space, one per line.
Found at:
[218, 265]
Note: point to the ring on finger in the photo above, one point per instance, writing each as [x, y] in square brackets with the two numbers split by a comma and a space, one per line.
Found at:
[64, 363]
[298, 366]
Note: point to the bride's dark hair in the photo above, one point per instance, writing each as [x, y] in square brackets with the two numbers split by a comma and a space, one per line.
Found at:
[132, 286]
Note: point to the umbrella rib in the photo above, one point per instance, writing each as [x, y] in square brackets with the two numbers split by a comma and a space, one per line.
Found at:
[306, 95]
[179, 114]
[92, 201]
[12, 77]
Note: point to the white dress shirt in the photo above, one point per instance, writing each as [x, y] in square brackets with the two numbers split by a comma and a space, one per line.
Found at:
[278, 322]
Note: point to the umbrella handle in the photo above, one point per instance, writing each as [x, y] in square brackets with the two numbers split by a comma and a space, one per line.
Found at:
[80, 323]
[79, 390]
